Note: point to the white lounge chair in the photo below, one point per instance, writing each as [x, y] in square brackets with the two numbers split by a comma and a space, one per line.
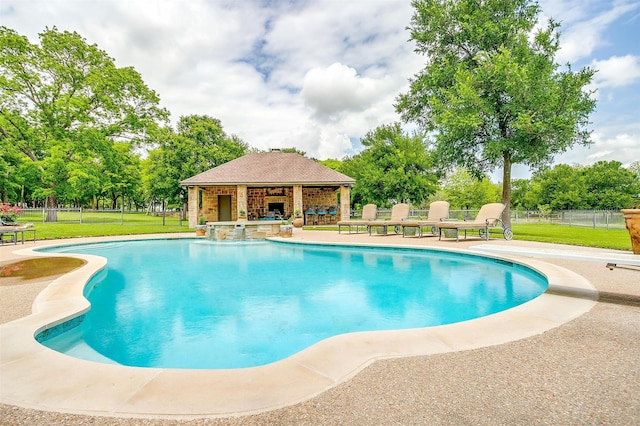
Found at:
[438, 211]
[399, 213]
[369, 213]
[488, 217]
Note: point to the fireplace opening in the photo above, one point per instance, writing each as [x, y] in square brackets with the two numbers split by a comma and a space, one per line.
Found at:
[277, 208]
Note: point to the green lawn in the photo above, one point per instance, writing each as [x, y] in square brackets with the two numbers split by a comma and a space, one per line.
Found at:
[574, 235]
[560, 234]
[69, 230]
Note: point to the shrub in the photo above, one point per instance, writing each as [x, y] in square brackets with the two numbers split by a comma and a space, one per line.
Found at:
[9, 213]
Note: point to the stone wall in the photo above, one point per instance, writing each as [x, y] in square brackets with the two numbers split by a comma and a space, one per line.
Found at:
[258, 200]
[324, 197]
[210, 208]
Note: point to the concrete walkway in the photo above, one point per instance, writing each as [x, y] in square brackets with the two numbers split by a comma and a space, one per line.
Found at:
[585, 371]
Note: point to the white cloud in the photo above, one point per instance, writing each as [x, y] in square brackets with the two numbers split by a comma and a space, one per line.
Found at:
[337, 89]
[623, 147]
[583, 24]
[617, 71]
[317, 75]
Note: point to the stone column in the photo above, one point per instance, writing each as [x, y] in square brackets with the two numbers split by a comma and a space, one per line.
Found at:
[297, 199]
[192, 205]
[241, 192]
[345, 202]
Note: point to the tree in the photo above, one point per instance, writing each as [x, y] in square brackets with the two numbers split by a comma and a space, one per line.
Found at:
[491, 91]
[610, 186]
[64, 105]
[465, 191]
[559, 188]
[198, 145]
[392, 168]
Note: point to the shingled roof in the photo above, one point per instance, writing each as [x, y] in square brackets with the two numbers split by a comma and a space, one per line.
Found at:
[270, 169]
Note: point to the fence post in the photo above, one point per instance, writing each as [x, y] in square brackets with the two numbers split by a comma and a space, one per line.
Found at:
[80, 214]
[594, 219]
[122, 212]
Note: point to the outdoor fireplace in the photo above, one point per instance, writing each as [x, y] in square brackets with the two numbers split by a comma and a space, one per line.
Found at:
[272, 207]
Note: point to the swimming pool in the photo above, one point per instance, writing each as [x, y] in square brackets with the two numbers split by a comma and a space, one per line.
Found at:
[200, 304]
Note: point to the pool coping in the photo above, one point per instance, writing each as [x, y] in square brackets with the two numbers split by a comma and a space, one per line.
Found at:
[34, 376]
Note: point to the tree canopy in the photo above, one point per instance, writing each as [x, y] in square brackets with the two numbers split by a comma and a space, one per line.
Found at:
[75, 129]
[199, 144]
[66, 108]
[465, 191]
[605, 185]
[393, 168]
[491, 91]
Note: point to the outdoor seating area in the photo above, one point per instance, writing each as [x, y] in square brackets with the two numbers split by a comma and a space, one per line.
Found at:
[321, 215]
[437, 220]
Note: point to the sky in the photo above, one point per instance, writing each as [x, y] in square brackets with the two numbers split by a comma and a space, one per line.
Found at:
[317, 75]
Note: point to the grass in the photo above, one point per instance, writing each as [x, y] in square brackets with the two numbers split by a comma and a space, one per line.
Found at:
[70, 230]
[575, 235]
[617, 239]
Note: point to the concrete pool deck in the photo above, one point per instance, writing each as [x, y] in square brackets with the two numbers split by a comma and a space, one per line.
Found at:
[402, 377]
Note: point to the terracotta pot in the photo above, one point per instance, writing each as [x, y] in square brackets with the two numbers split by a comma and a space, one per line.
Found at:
[298, 222]
[632, 221]
[201, 230]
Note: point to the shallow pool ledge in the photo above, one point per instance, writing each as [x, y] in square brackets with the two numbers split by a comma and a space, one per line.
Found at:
[34, 376]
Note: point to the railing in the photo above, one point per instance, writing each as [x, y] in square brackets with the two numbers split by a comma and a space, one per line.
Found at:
[608, 219]
[121, 217]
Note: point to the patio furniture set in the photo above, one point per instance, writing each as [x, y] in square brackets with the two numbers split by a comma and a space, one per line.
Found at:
[314, 215]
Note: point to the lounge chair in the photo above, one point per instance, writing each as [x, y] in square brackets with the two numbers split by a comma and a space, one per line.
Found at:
[369, 213]
[488, 217]
[438, 211]
[399, 213]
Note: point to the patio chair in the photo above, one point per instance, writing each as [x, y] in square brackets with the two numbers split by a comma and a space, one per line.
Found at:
[438, 211]
[369, 213]
[332, 214]
[321, 214]
[487, 217]
[399, 213]
[310, 213]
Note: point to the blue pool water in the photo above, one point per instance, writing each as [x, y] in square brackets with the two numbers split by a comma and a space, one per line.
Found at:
[199, 304]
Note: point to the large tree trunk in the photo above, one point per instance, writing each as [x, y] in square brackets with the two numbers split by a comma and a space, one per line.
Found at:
[506, 188]
[52, 214]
